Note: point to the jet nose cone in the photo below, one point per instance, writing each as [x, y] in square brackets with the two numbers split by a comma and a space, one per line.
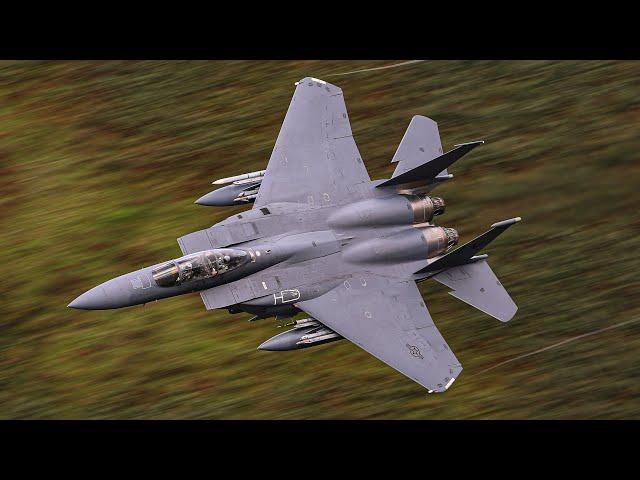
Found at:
[94, 299]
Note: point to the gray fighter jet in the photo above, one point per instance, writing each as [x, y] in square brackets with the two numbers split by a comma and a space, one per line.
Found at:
[324, 239]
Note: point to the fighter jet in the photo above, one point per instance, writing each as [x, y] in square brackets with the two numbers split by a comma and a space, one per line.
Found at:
[325, 240]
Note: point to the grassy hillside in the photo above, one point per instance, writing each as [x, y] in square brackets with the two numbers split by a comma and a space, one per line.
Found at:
[101, 163]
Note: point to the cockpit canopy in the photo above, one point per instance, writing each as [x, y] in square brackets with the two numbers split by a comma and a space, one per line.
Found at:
[198, 266]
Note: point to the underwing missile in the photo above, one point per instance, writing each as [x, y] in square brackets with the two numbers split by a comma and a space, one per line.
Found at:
[230, 195]
[244, 176]
[242, 189]
[247, 196]
[307, 333]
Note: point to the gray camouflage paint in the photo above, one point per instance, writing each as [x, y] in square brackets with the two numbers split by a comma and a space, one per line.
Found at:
[326, 240]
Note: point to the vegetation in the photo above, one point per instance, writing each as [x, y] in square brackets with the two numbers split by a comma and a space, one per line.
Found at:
[101, 162]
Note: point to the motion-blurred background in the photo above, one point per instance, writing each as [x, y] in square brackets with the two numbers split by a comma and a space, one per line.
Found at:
[100, 165]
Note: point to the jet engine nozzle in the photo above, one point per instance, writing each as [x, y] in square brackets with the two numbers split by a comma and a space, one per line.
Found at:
[452, 236]
[438, 239]
[438, 205]
[424, 207]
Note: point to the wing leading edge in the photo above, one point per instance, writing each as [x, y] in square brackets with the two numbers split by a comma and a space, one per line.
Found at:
[388, 318]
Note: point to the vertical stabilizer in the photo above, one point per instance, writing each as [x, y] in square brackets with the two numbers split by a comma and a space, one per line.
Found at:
[421, 143]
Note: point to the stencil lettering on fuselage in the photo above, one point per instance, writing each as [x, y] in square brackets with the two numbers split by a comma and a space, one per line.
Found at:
[286, 296]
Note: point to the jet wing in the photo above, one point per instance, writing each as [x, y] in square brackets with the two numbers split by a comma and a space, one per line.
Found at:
[315, 160]
[388, 318]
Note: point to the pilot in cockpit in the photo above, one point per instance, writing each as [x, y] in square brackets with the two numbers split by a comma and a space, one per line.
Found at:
[199, 266]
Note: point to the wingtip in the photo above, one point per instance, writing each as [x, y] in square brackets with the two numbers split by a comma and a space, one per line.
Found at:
[475, 143]
[313, 81]
[442, 389]
[310, 79]
[506, 223]
[443, 178]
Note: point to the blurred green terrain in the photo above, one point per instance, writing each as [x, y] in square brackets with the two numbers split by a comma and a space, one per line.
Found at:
[101, 162]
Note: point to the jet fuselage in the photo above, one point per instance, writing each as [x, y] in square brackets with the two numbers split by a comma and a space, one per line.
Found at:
[401, 240]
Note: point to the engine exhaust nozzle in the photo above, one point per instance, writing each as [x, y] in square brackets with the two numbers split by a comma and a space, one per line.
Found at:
[452, 236]
[425, 208]
[439, 239]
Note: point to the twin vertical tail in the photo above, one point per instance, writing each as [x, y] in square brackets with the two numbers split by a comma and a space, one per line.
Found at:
[421, 162]
[419, 155]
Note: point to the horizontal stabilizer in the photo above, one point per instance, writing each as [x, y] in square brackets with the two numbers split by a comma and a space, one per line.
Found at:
[428, 171]
[463, 254]
[477, 285]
